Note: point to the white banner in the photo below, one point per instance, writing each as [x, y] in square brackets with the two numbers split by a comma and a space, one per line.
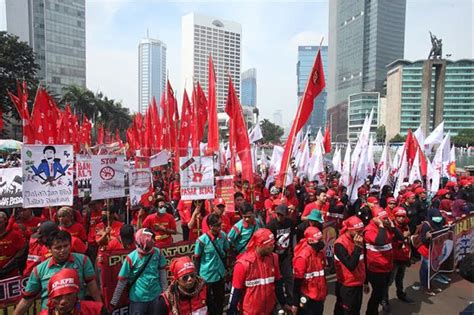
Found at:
[160, 159]
[47, 175]
[83, 174]
[140, 182]
[197, 177]
[108, 176]
[10, 187]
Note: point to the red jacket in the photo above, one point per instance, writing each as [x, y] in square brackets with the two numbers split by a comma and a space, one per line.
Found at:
[345, 276]
[257, 276]
[401, 249]
[197, 304]
[379, 257]
[309, 266]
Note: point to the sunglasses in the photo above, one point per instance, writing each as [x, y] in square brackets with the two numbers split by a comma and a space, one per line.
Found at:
[188, 277]
[392, 203]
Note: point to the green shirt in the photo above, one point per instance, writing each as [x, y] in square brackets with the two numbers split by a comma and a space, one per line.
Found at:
[212, 268]
[148, 286]
[240, 234]
[39, 277]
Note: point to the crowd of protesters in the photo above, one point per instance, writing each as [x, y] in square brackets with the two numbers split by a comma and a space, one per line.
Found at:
[272, 244]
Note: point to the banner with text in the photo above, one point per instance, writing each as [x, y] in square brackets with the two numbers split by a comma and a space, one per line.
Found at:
[11, 187]
[196, 177]
[463, 235]
[83, 174]
[225, 190]
[11, 290]
[47, 175]
[441, 252]
[140, 183]
[108, 176]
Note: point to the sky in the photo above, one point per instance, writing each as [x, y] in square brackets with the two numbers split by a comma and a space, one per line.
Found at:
[271, 33]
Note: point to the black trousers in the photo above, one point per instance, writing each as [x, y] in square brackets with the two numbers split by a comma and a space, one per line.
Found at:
[312, 307]
[216, 293]
[348, 300]
[379, 282]
[185, 229]
[397, 274]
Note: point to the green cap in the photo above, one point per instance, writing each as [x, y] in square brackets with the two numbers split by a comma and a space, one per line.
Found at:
[315, 215]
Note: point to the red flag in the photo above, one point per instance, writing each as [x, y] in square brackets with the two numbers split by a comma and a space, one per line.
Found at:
[411, 148]
[421, 154]
[21, 104]
[239, 132]
[199, 117]
[86, 132]
[155, 121]
[165, 124]
[186, 126]
[327, 139]
[172, 118]
[213, 129]
[314, 86]
[100, 134]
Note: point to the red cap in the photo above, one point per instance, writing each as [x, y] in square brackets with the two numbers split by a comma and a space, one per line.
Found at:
[352, 223]
[362, 191]
[279, 201]
[379, 212]
[65, 281]
[262, 238]
[464, 182]
[450, 184]
[372, 200]
[331, 193]
[219, 201]
[391, 199]
[399, 212]
[182, 266]
[419, 190]
[312, 234]
[408, 194]
[311, 191]
[442, 192]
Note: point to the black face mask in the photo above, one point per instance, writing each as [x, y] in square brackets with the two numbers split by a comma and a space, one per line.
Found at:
[105, 219]
[318, 246]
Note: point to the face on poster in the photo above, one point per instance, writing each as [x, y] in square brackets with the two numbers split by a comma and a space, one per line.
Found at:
[47, 175]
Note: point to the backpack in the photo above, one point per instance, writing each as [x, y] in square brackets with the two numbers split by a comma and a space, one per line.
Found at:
[415, 239]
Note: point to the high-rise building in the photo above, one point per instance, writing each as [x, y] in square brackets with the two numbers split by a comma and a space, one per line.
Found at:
[56, 30]
[359, 106]
[364, 37]
[202, 36]
[249, 88]
[306, 55]
[151, 72]
[404, 95]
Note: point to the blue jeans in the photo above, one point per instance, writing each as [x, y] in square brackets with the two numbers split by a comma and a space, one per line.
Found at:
[424, 272]
[140, 308]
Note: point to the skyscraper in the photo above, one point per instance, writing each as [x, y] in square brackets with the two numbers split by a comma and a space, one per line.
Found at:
[201, 36]
[56, 30]
[249, 88]
[151, 71]
[306, 55]
[364, 37]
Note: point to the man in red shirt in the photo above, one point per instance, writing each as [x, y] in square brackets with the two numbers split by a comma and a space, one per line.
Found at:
[184, 210]
[12, 248]
[27, 221]
[219, 209]
[256, 279]
[162, 224]
[320, 204]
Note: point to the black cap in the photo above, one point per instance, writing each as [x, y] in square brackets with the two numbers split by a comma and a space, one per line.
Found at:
[282, 209]
[45, 229]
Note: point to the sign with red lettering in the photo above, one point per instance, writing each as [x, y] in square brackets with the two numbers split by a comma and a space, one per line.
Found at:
[196, 177]
[225, 190]
[108, 176]
[83, 174]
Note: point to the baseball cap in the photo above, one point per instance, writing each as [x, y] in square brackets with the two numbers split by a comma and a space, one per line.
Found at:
[45, 229]
[312, 234]
[282, 209]
[372, 200]
[315, 215]
[65, 281]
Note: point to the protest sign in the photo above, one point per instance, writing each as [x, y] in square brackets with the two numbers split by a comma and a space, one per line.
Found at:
[196, 177]
[140, 183]
[47, 175]
[225, 190]
[108, 176]
[83, 174]
[10, 187]
[160, 159]
[441, 253]
[11, 290]
[463, 235]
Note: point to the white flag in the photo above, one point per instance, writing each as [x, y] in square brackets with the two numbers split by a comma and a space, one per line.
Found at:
[451, 165]
[275, 163]
[402, 174]
[370, 157]
[420, 137]
[435, 137]
[346, 167]
[316, 165]
[256, 133]
[336, 160]
[303, 158]
[415, 173]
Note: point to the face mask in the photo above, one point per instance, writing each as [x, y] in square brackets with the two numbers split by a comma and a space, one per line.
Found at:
[318, 246]
[162, 210]
[437, 219]
[105, 219]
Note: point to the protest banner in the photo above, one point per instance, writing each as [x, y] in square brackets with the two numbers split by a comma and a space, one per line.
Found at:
[463, 235]
[11, 187]
[441, 254]
[11, 290]
[329, 237]
[47, 175]
[160, 159]
[83, 174]
[140, 183]
[225, 190]
[196, 177]
[108, 176]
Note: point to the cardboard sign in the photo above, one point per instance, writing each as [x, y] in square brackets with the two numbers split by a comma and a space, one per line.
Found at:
[47, 175]
[11, 186]
[108, 176]
[140, 183]
[463, 235]
[83, 174]
[196, 177]
[225, 190]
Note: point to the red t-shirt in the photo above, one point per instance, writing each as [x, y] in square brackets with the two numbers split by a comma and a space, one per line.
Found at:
[96, 218]
[30, 226]
[184, 209]
[76, 230]
[155, 221]
[114, 233]
[117, 244]
[314, 205]
[10, 244]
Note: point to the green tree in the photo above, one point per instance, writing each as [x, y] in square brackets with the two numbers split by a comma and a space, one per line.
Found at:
[464, 138]
[398, 138]
[270, 131]
[83, 101]
[380, 134]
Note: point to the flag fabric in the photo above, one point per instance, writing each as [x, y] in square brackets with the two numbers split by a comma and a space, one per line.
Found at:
[402, 174]
[45, 118]
[327, 139]
[410, 148]
[316, 166]
[256, 133]
[370, 157]
[314, 86]
[212, 129]
[238, 131]
[450, 168]
[420, 136]
[440, 162]
[165, 123]
[186, 126]
[336, 160]
[435, 137]
[100, 134]
[156, 127]
[415, 173]
[275, 164]
[346, 167]
[21, 103]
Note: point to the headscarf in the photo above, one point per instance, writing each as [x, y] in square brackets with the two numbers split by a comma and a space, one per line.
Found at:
[261, 238]
[181, 266]
[352, 223]
[67, 211]
[144, 239]
[312, 234]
